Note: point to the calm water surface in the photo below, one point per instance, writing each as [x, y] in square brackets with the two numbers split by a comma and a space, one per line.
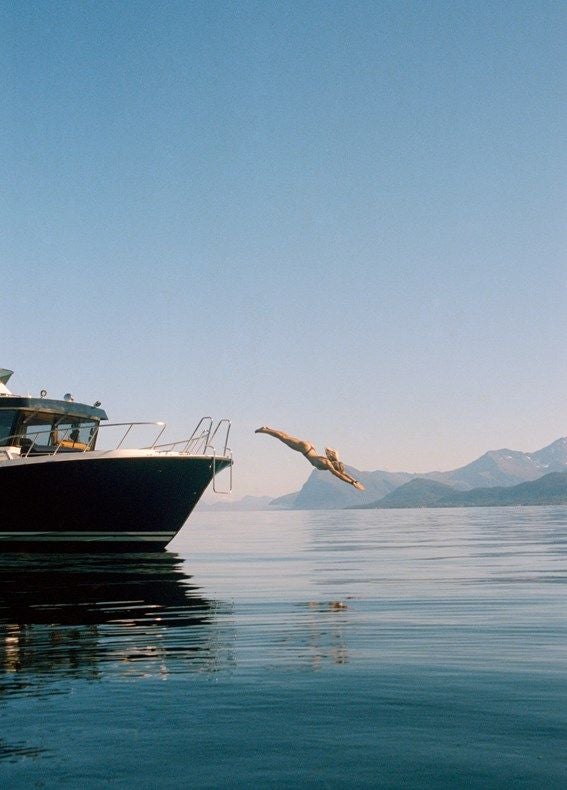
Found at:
[395, 649]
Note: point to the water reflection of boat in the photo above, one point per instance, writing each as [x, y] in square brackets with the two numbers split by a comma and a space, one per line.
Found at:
[85, 615]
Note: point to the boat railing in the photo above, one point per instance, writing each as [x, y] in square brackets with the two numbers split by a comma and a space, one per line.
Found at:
[119, 435]
[203, 441]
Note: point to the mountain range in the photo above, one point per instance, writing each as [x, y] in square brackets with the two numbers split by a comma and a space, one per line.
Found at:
[551, 489]
[496, 468]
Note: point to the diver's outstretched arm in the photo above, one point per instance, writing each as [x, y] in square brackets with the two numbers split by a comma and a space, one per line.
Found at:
[347, 478]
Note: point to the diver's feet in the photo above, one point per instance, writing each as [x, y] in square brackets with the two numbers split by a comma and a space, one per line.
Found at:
[263, 429]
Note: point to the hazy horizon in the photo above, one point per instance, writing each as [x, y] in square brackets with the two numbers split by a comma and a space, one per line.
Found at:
[344, 220]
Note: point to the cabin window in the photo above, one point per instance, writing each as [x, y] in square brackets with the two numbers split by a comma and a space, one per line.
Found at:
[7, 419]
[78, 435]
[38, 432]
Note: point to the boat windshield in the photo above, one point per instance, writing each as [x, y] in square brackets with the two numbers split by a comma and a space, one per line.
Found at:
[46, 431]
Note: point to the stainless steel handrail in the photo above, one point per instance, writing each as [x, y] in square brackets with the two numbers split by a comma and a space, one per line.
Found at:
[228, 426]
[204, 438]
[129, 426]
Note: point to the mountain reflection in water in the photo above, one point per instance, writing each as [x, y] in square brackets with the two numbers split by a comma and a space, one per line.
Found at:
[87, 615]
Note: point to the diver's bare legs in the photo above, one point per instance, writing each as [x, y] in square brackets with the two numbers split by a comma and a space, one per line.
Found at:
[300, 445]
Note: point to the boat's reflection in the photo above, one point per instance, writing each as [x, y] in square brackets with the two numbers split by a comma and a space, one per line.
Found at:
[89, 615]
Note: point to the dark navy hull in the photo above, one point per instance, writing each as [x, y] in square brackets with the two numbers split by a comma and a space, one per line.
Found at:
[113, 503]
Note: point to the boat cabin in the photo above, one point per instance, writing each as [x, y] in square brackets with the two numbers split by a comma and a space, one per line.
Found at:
[33, 426]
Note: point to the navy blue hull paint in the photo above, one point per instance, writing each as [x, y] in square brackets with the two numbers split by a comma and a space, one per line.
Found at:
[101, 495]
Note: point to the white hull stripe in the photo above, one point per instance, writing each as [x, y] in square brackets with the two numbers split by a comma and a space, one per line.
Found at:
[112, 536]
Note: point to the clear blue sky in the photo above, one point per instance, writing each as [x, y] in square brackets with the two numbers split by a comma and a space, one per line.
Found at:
[343, 219]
